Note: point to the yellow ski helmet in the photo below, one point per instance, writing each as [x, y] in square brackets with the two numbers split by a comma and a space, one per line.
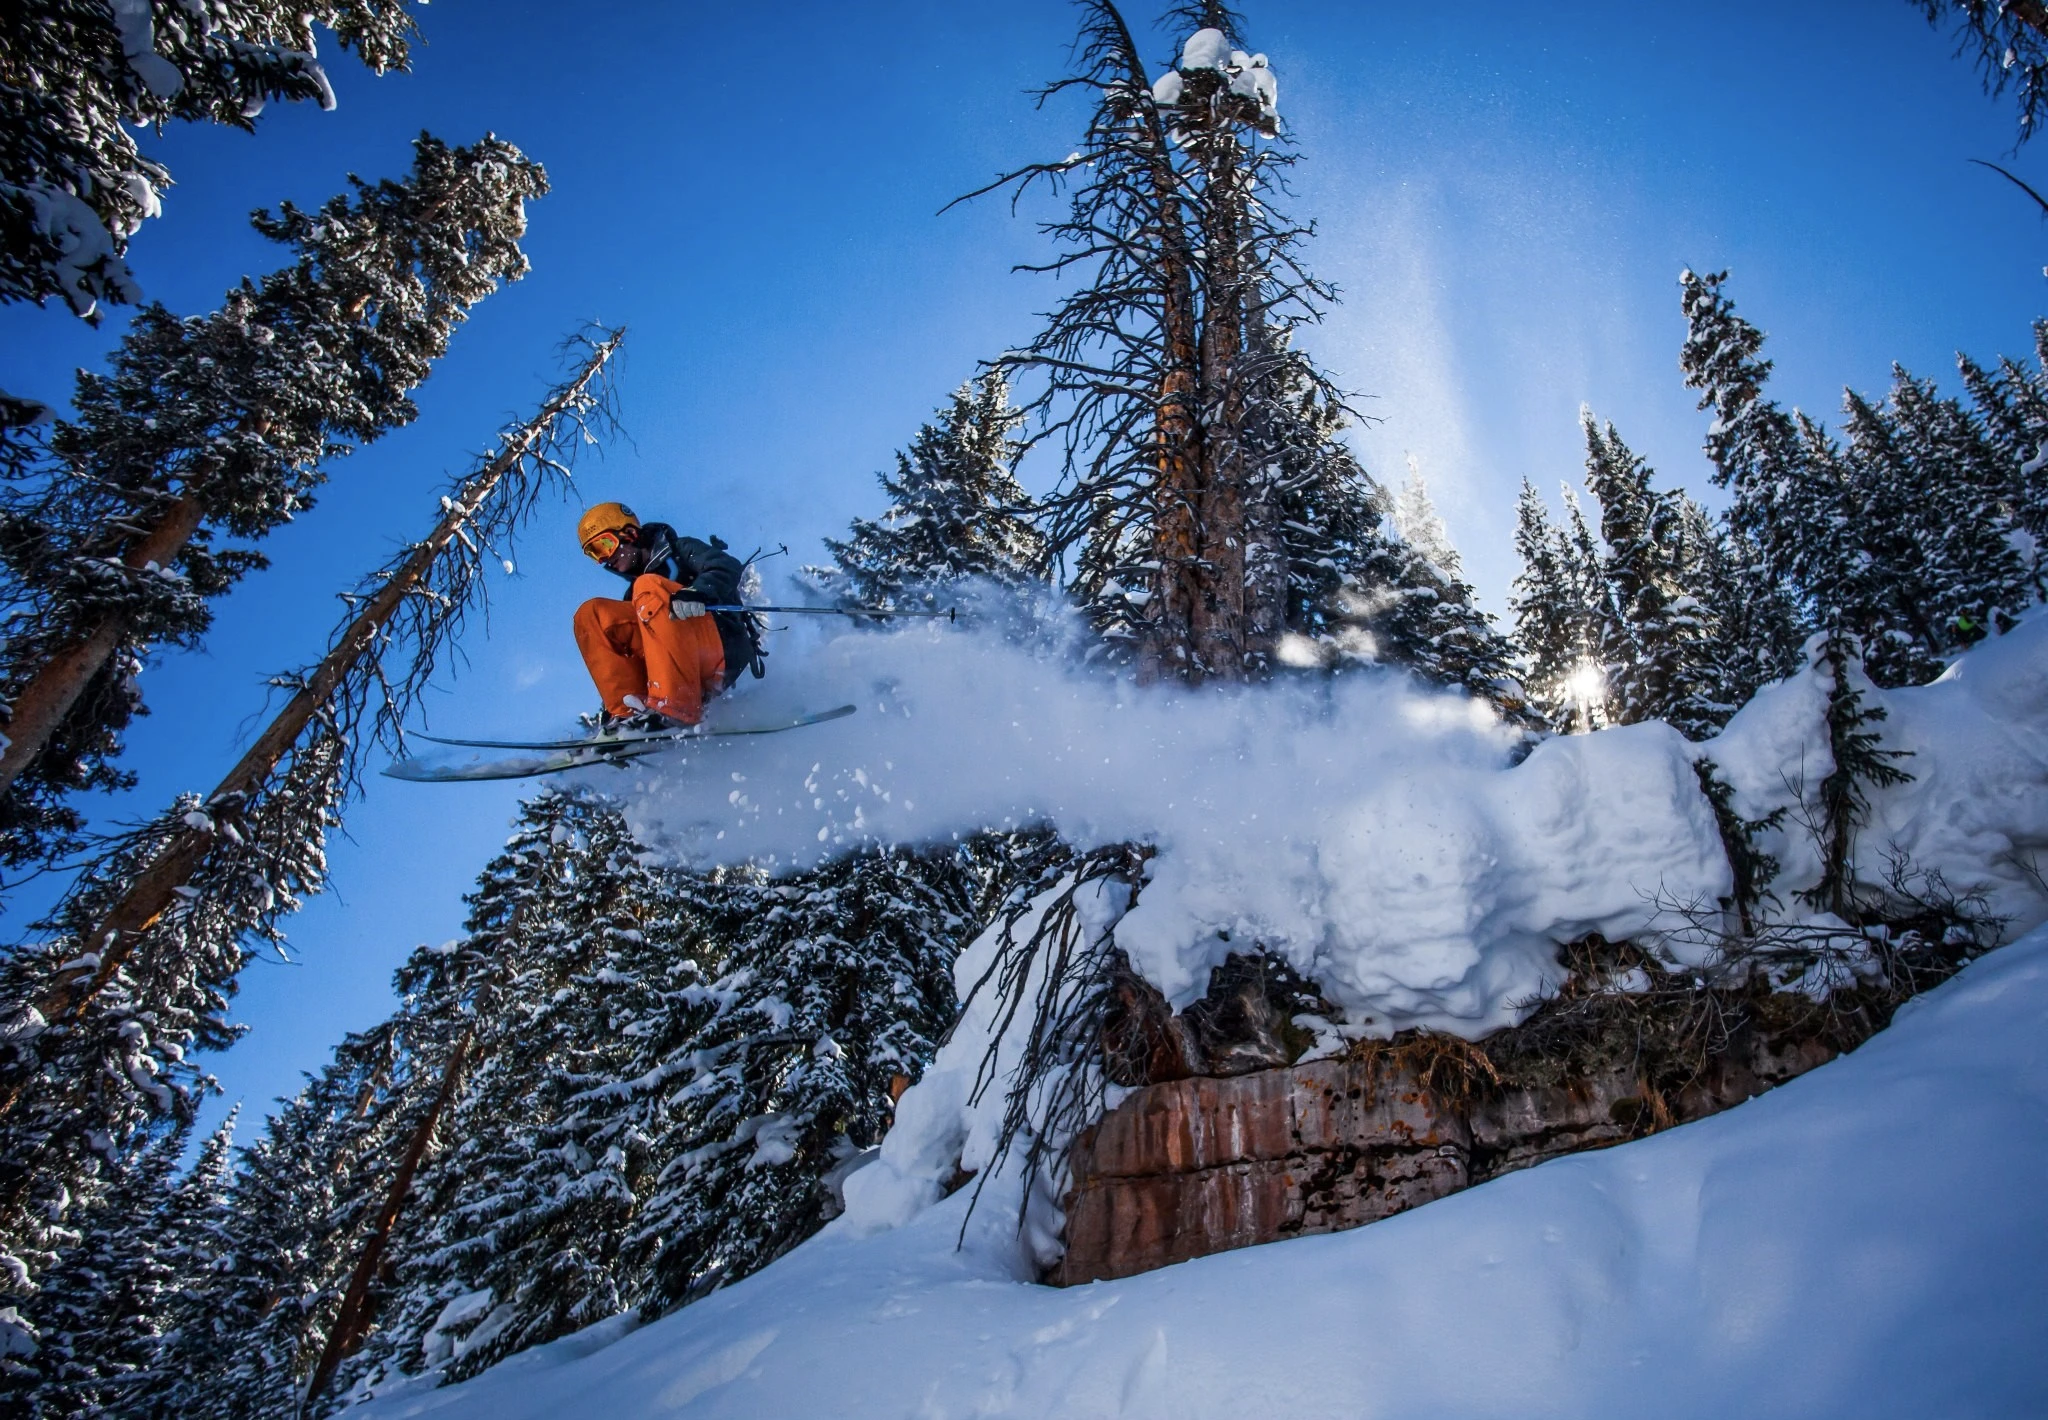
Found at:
[604, 518]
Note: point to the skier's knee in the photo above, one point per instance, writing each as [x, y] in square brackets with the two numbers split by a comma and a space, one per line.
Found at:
[589, 617]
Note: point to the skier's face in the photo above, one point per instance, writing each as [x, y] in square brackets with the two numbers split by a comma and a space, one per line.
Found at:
[625, 559]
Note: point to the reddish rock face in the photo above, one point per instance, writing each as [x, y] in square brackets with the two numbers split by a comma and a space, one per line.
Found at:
[1200, 1165]
[1203, 1165]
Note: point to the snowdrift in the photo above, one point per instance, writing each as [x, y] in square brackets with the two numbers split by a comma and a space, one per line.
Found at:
[1372, 832]
[1867, 1241]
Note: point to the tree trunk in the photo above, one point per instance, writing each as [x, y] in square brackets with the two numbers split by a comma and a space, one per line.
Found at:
[41, 705]
[155, 887]
[1218, 631]
[1167, 649]
[352, 1321]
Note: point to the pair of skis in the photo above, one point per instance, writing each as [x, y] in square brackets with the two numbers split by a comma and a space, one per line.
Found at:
[557, 756]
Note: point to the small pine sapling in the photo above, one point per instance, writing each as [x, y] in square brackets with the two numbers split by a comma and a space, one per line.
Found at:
[1861, 763]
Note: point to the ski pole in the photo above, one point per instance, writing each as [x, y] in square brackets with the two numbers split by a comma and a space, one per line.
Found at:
[951, 613]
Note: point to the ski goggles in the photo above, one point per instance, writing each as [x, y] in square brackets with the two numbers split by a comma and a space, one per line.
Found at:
[602, 545]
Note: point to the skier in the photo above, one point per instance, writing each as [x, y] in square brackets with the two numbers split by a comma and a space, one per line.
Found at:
[658, 655]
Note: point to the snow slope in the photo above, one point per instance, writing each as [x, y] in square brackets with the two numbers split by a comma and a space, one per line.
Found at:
[1870, 1240]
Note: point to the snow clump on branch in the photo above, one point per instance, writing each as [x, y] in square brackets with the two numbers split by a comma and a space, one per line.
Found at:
[1251, 75]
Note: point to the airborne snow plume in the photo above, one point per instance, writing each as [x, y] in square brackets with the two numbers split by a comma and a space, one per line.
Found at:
[1371, 831]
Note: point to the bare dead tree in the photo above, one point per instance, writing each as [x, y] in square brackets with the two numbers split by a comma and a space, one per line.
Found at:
[1148, 374]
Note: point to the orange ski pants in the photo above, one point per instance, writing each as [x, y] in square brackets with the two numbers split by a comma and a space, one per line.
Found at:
[670, 664]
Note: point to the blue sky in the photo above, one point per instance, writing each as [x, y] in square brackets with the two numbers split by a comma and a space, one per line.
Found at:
[1505, 194]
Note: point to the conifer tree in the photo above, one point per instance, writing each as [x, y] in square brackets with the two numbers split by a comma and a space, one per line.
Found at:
[102, 1308]
[197, 1247]
[1904, 536]
[81, 74]
[759, 1083]
[1421, 526]
[1315, 519]
[222, 427]
[283, 1243]
[1399, 607]
[1931, 566]
[525, 1215]
[1841, 803]
[101, 1021]
[2011, 403]
[955, 510]
[1559, 612]
[1328, 580]
[1655, 640]
[1757, 626]
[1756, 448]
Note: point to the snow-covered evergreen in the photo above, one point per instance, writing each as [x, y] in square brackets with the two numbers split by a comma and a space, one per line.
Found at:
[83, 74]
[1657, 647]
[211, 431]
[1418, 523]
[1912, 534]
[102, 1310]
[762, 1083]
[2012, 402]
[296, 1209]
[955, 509]
[518, 1228]
[1559, 615]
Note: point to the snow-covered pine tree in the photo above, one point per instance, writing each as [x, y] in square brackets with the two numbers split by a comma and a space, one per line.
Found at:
[1656, 645]
[1315, 517]
[101, 1310]
[282, 1245]
[1933, 567]
[759, 1084]
[2008, 40]
[955, 508]
[1757, 626]
[1152, 371]
[1558, 605]
[1840, 804]
[1328, 583]
[99, 1024]
[222, 426]
[2012, 405]
[518, 1230]
[1419, 524]
[1904, 536]
[1756, 448]
[82, 74]
[1405, 610]
[196, 1245]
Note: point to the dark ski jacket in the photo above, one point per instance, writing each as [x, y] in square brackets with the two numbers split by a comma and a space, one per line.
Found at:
[708, 574]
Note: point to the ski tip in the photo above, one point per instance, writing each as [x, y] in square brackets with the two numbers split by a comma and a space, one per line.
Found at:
[410, 769]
